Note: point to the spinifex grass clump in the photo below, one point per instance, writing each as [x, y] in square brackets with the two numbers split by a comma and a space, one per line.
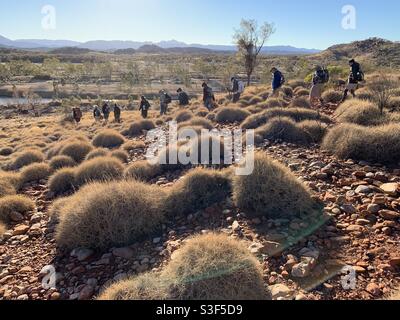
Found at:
[113, 214]
[207, 267]
[272, 191]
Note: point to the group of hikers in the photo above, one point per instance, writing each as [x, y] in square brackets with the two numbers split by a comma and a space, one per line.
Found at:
[320, 78]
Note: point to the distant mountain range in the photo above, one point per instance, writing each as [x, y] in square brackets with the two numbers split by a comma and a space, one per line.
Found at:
[127, 46]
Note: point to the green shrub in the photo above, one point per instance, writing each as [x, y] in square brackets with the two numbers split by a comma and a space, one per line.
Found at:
[199, 189]
[59, 162]
[106, 215]
[63, 181]
[271, 191]
[14, 203]
[35, 172]
[231, 115]
[99, 169]
[379, 144]
[26, 158]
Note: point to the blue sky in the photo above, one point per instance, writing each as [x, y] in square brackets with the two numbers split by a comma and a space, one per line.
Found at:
[301, 23]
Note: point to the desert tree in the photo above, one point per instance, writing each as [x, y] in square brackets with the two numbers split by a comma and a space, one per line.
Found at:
[382, 89]
[250, 39]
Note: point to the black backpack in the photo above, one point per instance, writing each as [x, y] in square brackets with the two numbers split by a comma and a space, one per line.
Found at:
[168, 98]
[325, 75]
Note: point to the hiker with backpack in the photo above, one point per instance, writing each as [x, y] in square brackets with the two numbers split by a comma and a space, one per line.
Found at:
[208, 96]
[77, 114]
[320, 78]
[106, 111]
[96, 114]
[183, 98]
[278, 81]
[165, 100]
[237, 89]
[356, 76]
[144, 106]
[117, 113]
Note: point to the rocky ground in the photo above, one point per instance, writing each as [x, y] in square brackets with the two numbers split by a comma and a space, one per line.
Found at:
[302, 260]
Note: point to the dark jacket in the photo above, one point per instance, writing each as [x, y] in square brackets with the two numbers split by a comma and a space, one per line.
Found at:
[144, 105]
[318, 77]
[117, 110]
[208, 94]
[105, 109]
[277, 80]
[235, 86]
[183, 98]
[355, 71]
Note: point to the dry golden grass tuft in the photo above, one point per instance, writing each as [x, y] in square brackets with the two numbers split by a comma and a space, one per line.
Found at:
[332, 96]
[106, 215]
[287, 91]
[395, 296]
[63, 181]
[6, 151]
[10, 182]
[14, 203]
[231, 115]
[59, 162]
[296, 114]
[142, 171]
[271, 191]
[197, 122]
[35, 172]
[207, 267]
[183, 116]
[133, 145]
[98, 169]
[26, 158]
[199, 189]
[97, 153]
[300, 102]
[76, 150]
[109, 139]
[315, 130]
[215, 267]
[121, 155]
[202, 112]
[365, 94]
[137, 128]
[297, 83]
[380, 144]
[147, 286]
[394, 104]
[3, 229]
[360, 112]
[283, 128]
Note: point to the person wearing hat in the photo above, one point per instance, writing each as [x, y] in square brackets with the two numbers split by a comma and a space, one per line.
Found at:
[183, 98]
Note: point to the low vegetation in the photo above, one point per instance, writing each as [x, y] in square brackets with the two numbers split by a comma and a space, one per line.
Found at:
[271, 191]
[108, 139]
[14, 203]
[106, 215]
